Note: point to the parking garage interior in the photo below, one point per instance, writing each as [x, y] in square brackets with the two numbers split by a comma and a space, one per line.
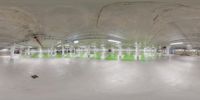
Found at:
[99, 49]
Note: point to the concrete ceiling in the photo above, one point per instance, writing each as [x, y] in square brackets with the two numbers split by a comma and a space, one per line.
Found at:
[158, 22]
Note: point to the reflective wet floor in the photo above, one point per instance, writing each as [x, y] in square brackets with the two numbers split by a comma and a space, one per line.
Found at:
[169, 78]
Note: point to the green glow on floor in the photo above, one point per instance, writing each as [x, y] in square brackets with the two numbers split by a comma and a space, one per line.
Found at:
[45, 55]
[96, 56]
[82, 55]
[34, 56]
[111, 56]
[128, 57]
[142, 57]
[59, 56]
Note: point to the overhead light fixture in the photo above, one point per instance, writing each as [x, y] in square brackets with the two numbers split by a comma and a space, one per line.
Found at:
[114, 41]
[177, 43]
[30, 47]
[59, 42]
[59, 46]
[76, 41]
[66, 45]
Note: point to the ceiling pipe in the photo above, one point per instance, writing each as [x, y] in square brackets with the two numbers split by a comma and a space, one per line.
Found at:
[37, 40]
[126, 3]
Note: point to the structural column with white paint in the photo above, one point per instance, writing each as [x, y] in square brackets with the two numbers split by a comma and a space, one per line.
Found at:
[168, 50]
[12, 51]
[137, 51]
[119, 52]
[20, 51]
[103, 55]
[40, 52]
[28, 51]
[63, 50]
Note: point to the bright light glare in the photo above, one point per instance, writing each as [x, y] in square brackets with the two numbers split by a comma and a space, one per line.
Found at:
[66, 45]
[177, 43]
[3, 50]
[59, 42]
[114, 41]
[75, 42]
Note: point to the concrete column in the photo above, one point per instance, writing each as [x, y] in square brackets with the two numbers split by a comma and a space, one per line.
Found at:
[196, 52]
[20, 51]
[88, 52]
[119, 52]
[113, 50]
[129, 51]
[49, 52]
[79, 52]
[40, 52]
[168, 52]
[74, 51]
[63, 50]
[28, 51]
[137, 51]
[12, 51]
[95, 50]
[70, 49]
[55, 52]
[67, 49]
[103, 55]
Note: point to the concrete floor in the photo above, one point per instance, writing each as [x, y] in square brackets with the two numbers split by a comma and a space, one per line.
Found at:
[174, 78]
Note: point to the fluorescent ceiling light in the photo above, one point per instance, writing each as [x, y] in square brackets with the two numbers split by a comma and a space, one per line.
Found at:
[59, 46]
[177, 43]
[83, 46]
[66, 45]
[75, 42]
[58, 42]
[114, 41]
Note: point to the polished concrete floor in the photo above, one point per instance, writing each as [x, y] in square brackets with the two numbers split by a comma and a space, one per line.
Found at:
[172, 78]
